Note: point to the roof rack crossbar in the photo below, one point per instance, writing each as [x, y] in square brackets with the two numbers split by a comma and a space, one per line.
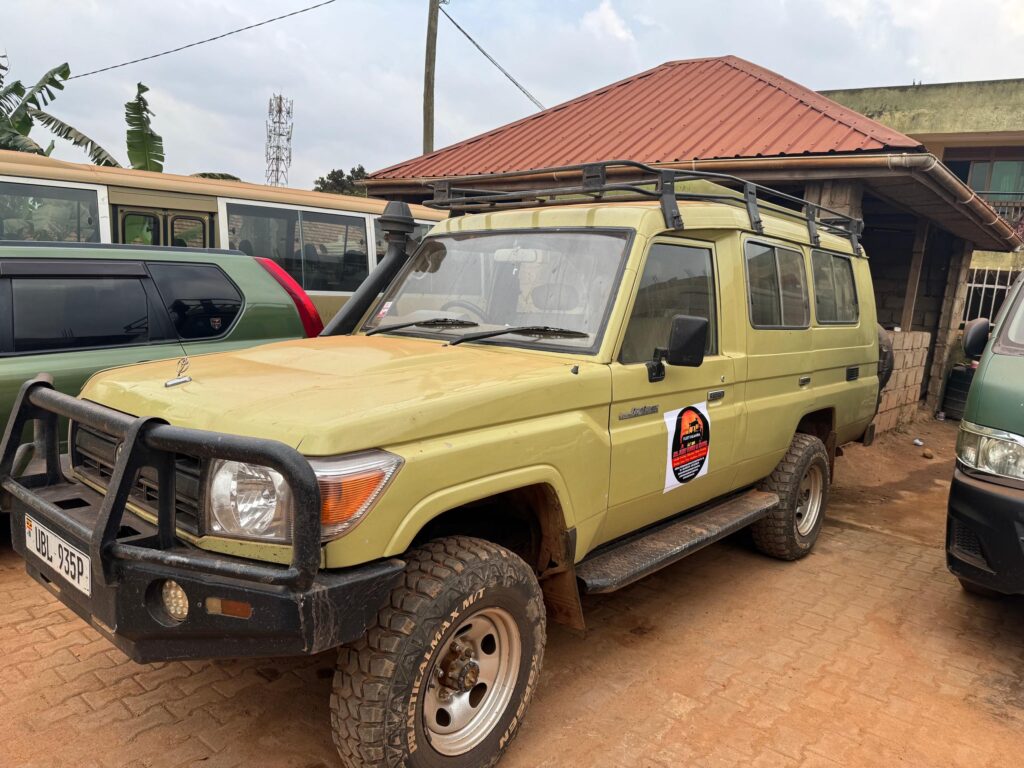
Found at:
[591, 180]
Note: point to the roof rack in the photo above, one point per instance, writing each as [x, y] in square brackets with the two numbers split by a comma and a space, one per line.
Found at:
[591, 180]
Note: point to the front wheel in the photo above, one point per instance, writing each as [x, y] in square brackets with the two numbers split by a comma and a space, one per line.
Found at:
[802, 482]
[446, 674]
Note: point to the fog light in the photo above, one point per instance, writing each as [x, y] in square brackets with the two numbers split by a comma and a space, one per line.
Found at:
[174, 599]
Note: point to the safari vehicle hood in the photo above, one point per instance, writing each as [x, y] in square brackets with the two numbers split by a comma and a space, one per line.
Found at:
[331, 395]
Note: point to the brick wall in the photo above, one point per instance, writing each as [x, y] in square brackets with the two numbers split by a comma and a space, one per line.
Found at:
[902, 394]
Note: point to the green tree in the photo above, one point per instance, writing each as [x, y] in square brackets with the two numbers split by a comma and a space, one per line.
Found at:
[145, 146]
[22, 107]
[341, 183]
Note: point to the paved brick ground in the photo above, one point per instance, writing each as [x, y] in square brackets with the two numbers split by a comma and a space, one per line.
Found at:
[866, 653]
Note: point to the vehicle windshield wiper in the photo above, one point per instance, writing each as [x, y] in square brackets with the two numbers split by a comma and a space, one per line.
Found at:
[434, 322]
[525, 330]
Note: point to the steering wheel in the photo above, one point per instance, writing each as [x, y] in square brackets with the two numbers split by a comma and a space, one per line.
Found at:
[465, 305]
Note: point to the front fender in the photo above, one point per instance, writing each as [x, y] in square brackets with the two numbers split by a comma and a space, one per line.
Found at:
[566, 451]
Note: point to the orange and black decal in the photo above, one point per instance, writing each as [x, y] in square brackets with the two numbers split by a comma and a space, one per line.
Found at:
[689, 443]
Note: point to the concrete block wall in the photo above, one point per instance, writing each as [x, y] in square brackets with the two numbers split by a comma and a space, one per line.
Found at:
[902, 394]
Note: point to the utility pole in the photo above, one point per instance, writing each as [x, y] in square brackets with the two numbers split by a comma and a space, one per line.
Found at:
[428, 78]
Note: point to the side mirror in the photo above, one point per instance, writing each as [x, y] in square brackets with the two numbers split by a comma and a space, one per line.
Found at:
[687, 341]
[976, 336]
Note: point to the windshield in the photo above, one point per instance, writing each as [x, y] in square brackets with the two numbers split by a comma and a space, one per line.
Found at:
[561, 280]
[1011, 336]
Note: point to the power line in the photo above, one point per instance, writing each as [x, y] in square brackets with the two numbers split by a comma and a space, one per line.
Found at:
[207, 40]
[490, 58]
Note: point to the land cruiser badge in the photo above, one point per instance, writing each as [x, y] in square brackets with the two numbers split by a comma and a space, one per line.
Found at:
[689, 442]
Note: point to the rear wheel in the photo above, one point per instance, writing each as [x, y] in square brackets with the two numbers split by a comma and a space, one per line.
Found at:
[802, 482]
[446, 675]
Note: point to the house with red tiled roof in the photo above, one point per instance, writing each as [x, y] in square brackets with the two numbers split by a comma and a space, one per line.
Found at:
[922, 221]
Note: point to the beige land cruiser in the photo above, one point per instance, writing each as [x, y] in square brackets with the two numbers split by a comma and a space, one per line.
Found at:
[561, 391]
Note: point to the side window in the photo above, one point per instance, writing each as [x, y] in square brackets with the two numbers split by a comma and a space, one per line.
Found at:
[777, 287]
[188, 232]
[45, 213]
[140, 229]
[334, 252]
[321, 251]
[202, 302]
[835, 293]
[271, 232]
[677, 280]
[78, 313]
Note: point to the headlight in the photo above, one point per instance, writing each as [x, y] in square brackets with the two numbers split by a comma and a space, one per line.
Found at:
[350, 486]
[248, 501]
[991, 450]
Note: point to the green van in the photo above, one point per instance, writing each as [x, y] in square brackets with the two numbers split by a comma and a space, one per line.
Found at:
[985, 522]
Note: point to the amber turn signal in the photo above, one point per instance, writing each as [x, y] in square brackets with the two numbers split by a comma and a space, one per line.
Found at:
[341, 498]
[238, 609]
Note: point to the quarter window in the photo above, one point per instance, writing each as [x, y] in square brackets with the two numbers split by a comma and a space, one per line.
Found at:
[677, 280]
[78, 313]
[777, 287]
[200, 299]
[44, 213]
[835, 294]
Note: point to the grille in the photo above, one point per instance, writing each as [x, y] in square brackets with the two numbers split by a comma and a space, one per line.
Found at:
[93, 455]
[966, 541]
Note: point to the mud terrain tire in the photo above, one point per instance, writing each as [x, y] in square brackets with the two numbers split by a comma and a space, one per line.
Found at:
[384, 683]
[791, 529]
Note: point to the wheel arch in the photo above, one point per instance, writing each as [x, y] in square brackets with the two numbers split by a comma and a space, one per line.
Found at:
[527, 512]
[822, 425]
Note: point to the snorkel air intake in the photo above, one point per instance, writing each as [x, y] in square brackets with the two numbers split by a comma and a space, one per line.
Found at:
[398, 224]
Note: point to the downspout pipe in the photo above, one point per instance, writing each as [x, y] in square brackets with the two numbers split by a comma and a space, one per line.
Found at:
[398, 224]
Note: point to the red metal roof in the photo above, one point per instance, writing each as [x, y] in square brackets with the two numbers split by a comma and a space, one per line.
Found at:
[698, 109]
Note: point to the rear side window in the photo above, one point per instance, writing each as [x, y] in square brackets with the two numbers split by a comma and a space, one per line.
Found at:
[78, 313]
[835, 294]
[777, 287]
[202, 302]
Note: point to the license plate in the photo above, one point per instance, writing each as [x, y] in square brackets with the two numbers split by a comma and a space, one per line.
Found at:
[68, 561]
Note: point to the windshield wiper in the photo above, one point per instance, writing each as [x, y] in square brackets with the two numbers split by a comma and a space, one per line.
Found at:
[525, 330]
[434, 322]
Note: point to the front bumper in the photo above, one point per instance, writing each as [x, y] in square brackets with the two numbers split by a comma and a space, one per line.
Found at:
[985, 533]
[295, 609]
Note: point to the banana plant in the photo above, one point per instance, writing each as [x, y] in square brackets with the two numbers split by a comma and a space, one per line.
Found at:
[21, 108]
[145, 146]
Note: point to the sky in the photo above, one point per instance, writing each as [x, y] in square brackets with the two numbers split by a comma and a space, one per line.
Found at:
[355, 68]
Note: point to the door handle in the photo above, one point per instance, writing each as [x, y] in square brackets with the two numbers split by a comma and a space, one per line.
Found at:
[805, 380]
[716, 394]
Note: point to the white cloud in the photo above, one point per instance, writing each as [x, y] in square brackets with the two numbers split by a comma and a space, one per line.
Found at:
[605, 23]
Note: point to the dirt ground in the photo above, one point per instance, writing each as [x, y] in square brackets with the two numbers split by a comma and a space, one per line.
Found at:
[866, 653]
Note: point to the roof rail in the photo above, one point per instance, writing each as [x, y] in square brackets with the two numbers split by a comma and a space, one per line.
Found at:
[458, 195]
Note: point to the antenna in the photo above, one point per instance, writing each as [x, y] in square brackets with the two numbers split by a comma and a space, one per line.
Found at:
[279, 140]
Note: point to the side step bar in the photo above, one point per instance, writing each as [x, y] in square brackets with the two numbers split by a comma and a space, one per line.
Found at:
[623, 562]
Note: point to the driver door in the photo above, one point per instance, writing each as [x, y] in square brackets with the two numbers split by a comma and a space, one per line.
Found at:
[671, 440]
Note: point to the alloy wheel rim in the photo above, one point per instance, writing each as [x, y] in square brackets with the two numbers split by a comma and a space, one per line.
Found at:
[471, 681]
[809, 496]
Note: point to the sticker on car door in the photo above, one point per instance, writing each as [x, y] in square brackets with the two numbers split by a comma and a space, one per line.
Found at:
[689, 443]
